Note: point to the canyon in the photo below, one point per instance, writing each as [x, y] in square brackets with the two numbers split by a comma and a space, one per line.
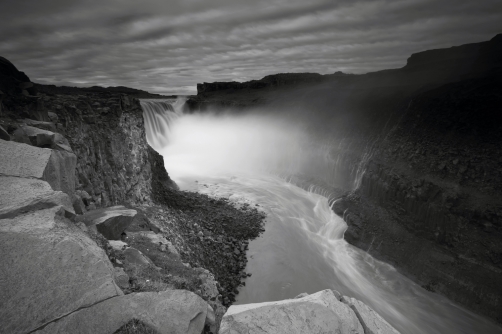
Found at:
[416, 160]
[409, 158]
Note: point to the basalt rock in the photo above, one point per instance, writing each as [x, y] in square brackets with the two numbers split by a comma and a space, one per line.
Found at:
[55, 167]
[110, 222]
[169, 312]
[321, 312]
[50, 268]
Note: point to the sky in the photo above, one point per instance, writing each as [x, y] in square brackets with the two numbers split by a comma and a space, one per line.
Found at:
[168, 46]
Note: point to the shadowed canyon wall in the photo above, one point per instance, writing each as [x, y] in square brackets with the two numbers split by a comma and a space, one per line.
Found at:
[416, 151]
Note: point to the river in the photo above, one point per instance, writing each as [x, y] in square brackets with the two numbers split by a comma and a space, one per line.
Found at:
[302, 248]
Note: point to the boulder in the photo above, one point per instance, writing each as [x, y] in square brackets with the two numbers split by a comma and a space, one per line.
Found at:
[49, 126]
[50, 268]
[110, 222]
[156, 239]
[121, 278]
[167, 312]
[320, 312]
[118, 245]
[53, 117]
[371, 321]
[19, 195]
[78, 204]
[3, 133]
[55, 167]
[134, 256]
[41, 138]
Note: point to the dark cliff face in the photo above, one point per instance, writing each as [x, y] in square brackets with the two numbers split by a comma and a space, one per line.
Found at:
[419, 160]
[105, 129]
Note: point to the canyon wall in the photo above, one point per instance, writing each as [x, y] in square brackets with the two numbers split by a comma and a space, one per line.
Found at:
[417, 152]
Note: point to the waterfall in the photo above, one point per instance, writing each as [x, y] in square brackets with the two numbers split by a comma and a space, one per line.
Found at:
[159, 116]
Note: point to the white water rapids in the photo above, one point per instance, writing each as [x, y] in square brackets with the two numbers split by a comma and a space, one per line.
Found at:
[302, 248]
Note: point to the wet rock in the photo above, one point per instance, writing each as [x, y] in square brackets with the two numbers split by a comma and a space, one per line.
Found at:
[320, 312]
[110, 222]
[50, 268]
[167, 312]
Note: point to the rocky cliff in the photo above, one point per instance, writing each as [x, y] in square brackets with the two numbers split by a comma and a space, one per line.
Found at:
[417, 151]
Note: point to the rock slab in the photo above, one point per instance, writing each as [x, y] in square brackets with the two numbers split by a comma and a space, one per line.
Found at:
[110, 222]
[49, 268]
[168, 312]
[320, 312]
[55, 167]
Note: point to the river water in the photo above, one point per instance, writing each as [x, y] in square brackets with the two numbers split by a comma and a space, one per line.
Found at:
[302, 248]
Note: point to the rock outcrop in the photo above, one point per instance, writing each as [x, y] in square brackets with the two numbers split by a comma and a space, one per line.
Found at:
[322, 312]
[49, 267]
[111, 222]
[167, 312]
[25, 161]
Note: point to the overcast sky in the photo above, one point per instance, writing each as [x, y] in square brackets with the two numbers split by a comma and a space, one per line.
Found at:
[168, 46]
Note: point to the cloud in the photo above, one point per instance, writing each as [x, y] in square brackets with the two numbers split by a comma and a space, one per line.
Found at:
[170, 46]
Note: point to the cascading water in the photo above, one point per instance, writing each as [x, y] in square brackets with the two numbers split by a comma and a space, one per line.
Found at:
[158, 115]
[302, 248]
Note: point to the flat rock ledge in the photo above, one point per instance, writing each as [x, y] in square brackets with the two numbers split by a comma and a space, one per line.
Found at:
[167, 312]
[322, 312]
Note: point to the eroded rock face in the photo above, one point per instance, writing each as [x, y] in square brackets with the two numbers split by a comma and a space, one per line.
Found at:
[169, 312]
[106, 131]
[50, 268]
[321, 312]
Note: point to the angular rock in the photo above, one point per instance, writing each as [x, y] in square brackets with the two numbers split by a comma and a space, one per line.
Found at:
[118, 245]
[78, 204]
[55, 167]
[53, 117]
[41, 138]
[49, 268]
[3, 133]
[320, 312]
[156, 239]
[110, 222]
[49, 126]
[20, 195]
[168, 312]
[134, 256]
[371, 321]
[121, 278]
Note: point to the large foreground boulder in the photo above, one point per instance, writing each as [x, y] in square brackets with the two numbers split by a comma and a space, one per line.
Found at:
[55, 167]
[320, 312]
[19, 195]
[49, 269]
[110, 222]
[167, 312]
